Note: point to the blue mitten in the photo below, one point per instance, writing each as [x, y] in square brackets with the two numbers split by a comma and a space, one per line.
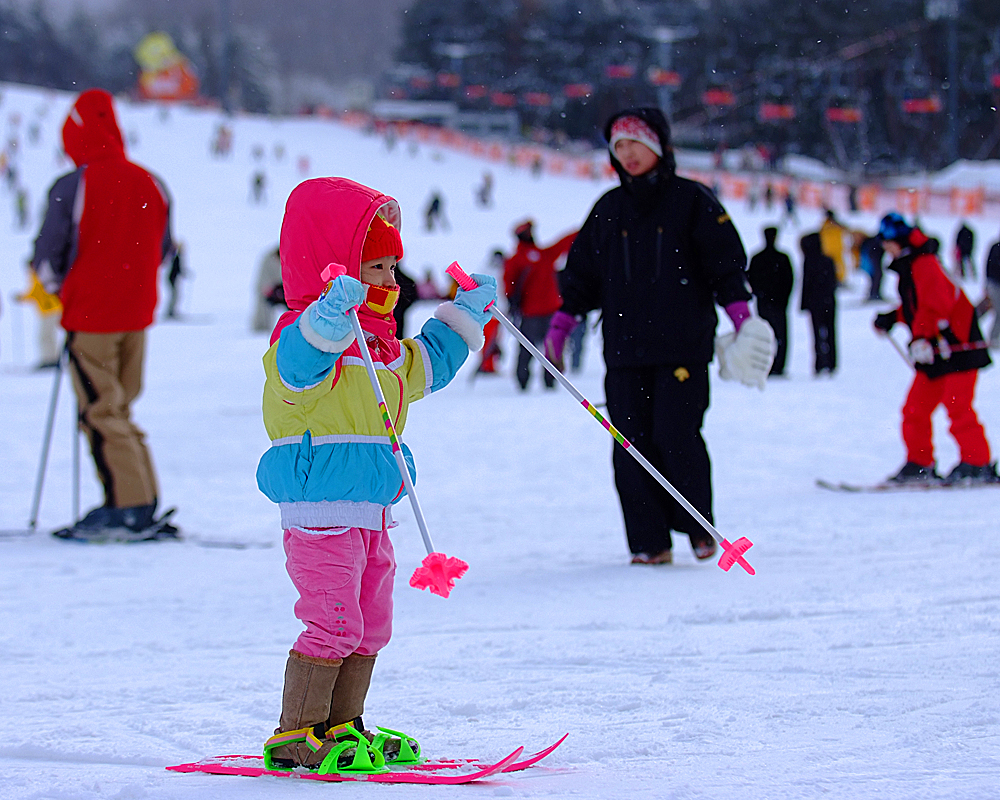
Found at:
[475, 301]
[328, 315]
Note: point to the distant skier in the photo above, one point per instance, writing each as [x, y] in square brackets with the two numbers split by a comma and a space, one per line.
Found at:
[258, 187]
[819, 298]
[871, 256]
[268, 293]
[21, 207]
[993, 292]
[173, 279]
[484, 192]
[407, 297]
[434, 214]
[947, 351]
[790, 215]
[770, 275]
[965, 240]
[222, 141]
[529, 277]
[489, 360]
[831, 237]
[49, 309]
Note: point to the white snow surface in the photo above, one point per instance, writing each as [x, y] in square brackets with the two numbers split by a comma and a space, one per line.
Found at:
[859, 662]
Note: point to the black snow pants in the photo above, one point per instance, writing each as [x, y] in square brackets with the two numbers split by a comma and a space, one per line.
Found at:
[660, 410]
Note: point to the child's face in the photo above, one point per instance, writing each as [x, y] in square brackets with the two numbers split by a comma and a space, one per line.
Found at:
[379, 272]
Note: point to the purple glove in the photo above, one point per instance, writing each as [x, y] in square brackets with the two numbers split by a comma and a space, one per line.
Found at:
[738, 313]
[560, 328]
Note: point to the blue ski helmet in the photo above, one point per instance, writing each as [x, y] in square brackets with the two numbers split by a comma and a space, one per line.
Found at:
[893, 228]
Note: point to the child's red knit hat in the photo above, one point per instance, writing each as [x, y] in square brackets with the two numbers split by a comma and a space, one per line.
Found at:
[382, 240]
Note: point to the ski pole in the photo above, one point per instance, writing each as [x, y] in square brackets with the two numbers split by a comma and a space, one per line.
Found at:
[47, 439]
[899, 349]
[732, 551]
[437, 572]
[76, 463]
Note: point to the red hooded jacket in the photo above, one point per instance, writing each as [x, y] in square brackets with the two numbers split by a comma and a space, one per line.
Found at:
[105, 231]
[530, 277]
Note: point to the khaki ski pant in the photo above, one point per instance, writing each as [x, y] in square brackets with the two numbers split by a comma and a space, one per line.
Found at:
[107, 376]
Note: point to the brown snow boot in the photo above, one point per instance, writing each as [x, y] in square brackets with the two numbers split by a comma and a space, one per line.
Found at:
[348, 700]
[348, 704]
[305, 703]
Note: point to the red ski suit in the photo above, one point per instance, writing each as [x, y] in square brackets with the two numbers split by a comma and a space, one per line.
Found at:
[937, 310]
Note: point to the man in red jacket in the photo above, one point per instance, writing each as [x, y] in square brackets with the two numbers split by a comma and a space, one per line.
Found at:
[947, 351]
[530, 284]
[104, 236]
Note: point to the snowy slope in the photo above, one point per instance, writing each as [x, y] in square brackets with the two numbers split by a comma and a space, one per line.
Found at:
[859, 662]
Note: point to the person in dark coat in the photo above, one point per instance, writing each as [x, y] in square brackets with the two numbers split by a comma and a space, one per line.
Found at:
[965, 239]
[993, 292]
[771, 280]
[173, 279]
[407, 297]
[819, 298]
[946, 350]
[655, 256]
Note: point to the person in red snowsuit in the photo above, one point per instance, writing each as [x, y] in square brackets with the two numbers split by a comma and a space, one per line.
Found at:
[105, 234]
[529, 278]
[489, 360]
[947, 351]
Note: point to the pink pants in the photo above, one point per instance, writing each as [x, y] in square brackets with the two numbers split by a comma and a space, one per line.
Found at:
[344, 582]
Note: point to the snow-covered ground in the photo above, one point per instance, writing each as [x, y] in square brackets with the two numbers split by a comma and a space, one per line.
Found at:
[860, 661]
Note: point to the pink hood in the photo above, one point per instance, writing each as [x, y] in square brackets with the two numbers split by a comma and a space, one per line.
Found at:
[326, 221]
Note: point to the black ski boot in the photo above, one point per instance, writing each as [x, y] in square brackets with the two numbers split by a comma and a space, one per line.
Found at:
[915, 473]
[966, 474]
[132, 524]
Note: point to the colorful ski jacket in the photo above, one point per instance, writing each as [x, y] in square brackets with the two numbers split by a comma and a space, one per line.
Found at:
[936, 309]
[106, 229]
[331, 463]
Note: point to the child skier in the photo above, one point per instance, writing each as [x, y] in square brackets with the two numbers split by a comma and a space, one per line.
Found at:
[947, 351]
[330, 466]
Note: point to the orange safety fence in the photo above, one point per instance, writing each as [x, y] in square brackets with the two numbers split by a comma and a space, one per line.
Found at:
[870, 197]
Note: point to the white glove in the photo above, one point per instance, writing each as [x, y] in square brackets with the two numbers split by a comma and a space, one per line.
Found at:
[921, 351]
[747, 356]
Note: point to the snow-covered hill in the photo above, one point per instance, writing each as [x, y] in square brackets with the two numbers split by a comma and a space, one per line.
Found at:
[859, 662]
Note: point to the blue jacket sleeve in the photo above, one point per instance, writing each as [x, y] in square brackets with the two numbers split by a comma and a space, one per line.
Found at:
[300, 365]
[444, 353]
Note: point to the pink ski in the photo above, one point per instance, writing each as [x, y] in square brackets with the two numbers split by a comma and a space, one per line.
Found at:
[253, 767]
[517, 766]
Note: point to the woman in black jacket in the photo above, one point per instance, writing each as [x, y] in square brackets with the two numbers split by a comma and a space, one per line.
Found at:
[655, 255]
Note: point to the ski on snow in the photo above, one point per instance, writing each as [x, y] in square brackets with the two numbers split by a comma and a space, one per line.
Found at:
[429, 771]
[891, 486]
[162, 530]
